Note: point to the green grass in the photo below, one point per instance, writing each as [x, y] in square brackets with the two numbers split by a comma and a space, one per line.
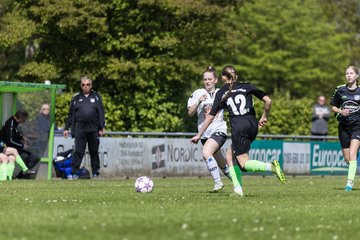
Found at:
[179, 208]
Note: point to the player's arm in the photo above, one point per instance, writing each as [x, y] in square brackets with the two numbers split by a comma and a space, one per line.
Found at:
[12, 133]
[267, 106]
[216, 107]
[343, 112]
[208, 120]
[192, 109]
[209, 117]
[101, 116]
[336, 103]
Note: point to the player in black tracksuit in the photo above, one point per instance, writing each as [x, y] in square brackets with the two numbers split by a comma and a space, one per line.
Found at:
[346, 105]
[13, 138]
[237, 98]
[87, 121]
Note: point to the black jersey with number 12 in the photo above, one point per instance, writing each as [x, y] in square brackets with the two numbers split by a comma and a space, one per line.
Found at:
[239, 102]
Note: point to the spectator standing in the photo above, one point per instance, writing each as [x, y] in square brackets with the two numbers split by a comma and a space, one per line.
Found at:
[87, 121]
[320, 117]
[43, 127]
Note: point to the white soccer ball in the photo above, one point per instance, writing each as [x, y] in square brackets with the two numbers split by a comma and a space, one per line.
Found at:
[144, 184]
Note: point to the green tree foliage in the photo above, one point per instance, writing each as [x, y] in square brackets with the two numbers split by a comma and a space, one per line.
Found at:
[145, 54]
[346, 13]
[291, 116]
[16, 28]
[291, 46]
[113, 111]
[11, 57]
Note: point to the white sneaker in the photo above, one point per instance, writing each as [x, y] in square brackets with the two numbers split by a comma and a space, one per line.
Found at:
[218, 187]
[72, 177]
[238, 190]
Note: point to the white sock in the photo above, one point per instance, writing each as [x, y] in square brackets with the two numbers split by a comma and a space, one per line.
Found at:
[350, 183]
[213, 168]
[268, 167]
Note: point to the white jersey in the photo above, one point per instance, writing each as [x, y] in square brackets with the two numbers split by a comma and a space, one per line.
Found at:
[218, 124]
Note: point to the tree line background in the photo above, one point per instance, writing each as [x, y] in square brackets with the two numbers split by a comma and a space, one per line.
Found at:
[146, 57]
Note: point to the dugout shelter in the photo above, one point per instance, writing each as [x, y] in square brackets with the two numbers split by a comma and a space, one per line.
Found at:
[30, 97]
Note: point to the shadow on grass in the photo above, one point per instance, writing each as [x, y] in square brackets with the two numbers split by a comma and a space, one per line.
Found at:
[343, 189]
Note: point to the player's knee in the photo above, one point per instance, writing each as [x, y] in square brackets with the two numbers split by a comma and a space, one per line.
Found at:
[11, 159]
[206, 154]
[353, 156]
[243, 169]
[242, 164]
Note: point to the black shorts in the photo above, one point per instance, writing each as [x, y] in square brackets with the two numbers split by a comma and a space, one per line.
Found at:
[348, 133]
[244, 132]
[219, 137]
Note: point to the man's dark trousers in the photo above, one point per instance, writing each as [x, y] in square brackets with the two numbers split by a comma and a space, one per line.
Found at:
[93, 140]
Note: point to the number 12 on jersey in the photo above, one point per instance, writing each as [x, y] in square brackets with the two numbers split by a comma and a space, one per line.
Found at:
[238, 104]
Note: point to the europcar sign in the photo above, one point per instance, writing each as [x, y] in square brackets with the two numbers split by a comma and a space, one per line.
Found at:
[327, 158]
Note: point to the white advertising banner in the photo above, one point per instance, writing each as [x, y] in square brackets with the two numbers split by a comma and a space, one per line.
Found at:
[128, 157]
[296, 157]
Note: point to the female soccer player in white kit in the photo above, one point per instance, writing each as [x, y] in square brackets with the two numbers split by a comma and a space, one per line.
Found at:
[215, 135]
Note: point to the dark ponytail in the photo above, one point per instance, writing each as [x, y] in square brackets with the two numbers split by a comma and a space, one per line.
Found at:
[229, 72]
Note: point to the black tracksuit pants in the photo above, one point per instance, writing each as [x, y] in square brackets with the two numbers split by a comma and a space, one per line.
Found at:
[93, 140]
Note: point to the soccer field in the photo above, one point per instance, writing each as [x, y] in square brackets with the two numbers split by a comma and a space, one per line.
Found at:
[180, 208]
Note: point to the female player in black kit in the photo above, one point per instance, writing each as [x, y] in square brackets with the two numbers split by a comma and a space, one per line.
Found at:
[237, 98]
[346, 104]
